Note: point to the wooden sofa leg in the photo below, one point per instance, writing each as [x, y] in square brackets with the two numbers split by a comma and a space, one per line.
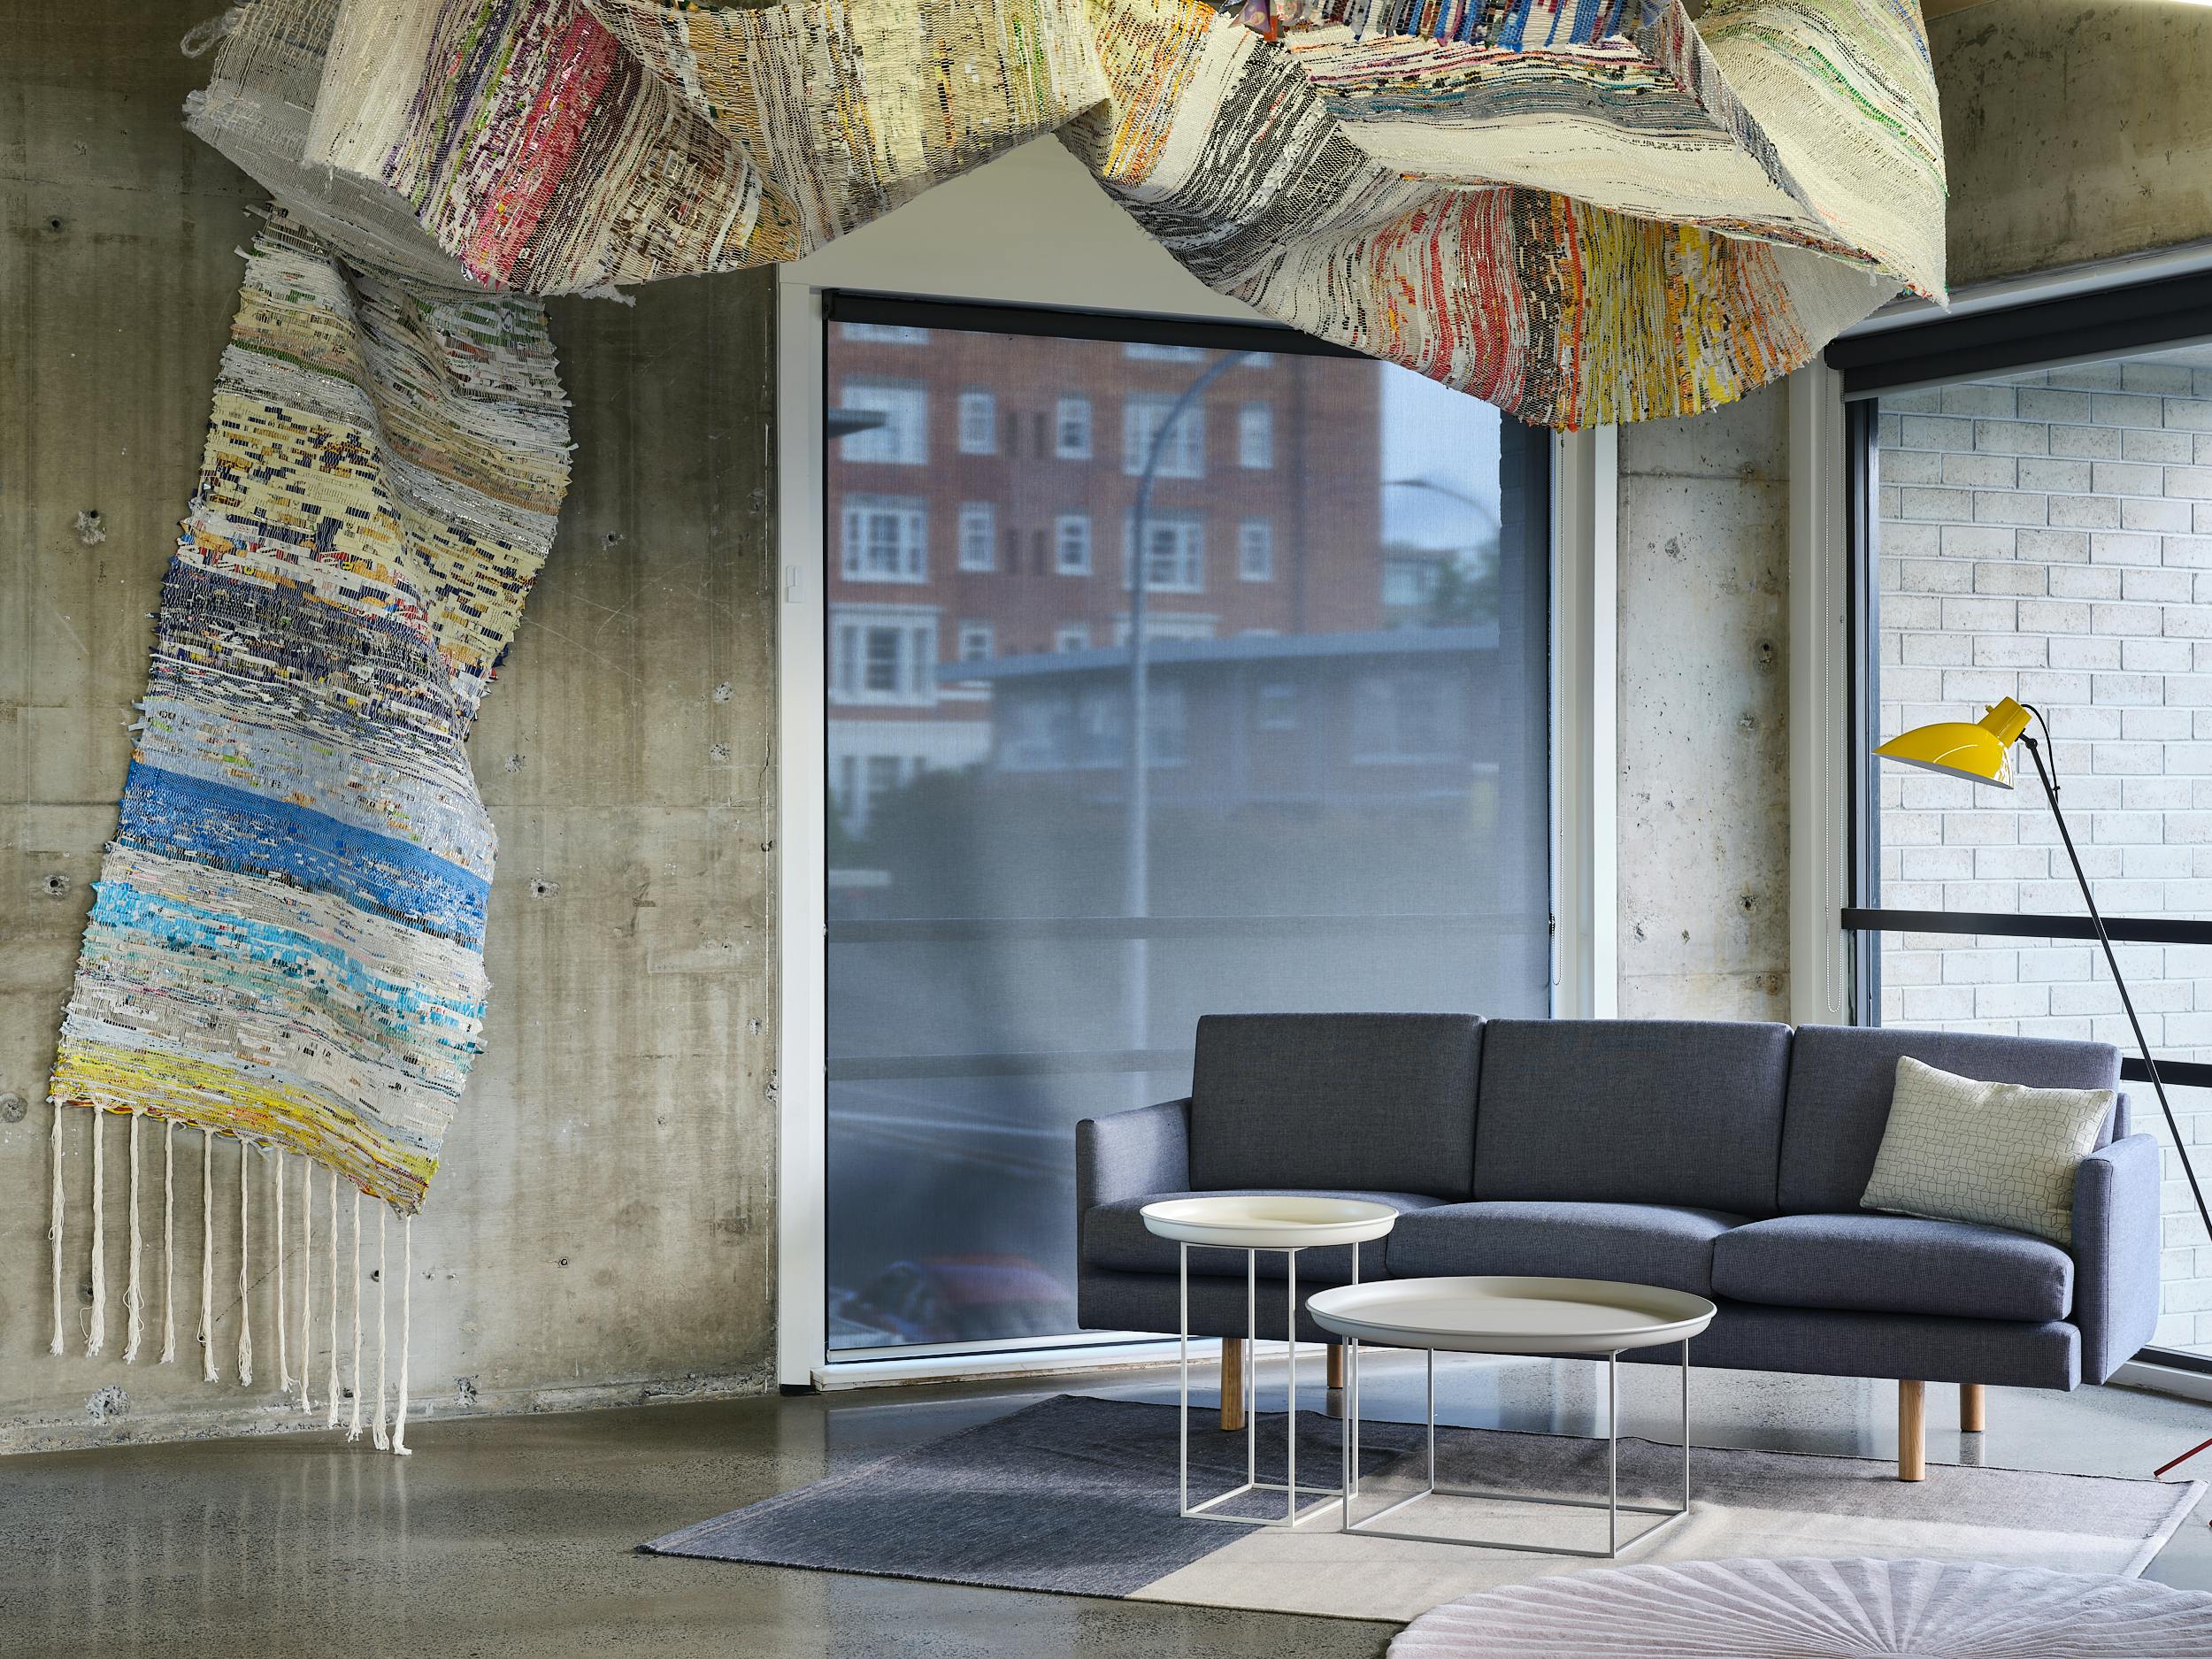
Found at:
[1336, 1365]
[1912, 1451]
[1232, 1383]
[1973, 1408]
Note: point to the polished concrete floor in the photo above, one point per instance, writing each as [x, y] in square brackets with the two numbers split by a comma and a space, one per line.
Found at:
[516, 1536]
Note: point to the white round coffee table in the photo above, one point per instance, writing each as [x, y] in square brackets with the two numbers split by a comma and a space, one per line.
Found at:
[1290, 1225]
[1588, 1318]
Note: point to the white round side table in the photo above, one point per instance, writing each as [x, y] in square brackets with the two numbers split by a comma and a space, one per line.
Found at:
[1493, 1314]
[1290, 1225]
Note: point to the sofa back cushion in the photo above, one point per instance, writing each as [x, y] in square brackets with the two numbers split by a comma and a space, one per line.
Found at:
[1632, 1111]
[1842, 1077]
[1385, 1101]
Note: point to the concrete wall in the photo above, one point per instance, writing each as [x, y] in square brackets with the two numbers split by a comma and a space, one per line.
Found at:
[602, 1225]
[1703, 700]
[2073, 132]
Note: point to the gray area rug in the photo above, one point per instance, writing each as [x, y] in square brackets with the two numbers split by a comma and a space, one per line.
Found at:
[1079, 1495]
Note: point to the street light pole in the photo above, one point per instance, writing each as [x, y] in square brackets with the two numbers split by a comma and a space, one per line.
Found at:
[1137, 790]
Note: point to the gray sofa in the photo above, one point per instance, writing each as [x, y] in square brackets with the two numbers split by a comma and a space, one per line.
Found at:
[1717, 1157]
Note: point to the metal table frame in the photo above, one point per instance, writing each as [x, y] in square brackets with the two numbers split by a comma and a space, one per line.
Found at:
[1288, 1486]
[1612, 1506]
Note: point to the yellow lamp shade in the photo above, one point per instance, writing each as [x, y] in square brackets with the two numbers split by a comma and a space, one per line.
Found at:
[1979, 753]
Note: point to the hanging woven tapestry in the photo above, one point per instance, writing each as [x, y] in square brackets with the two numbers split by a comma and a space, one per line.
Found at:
[287, 943]
[1584, 213]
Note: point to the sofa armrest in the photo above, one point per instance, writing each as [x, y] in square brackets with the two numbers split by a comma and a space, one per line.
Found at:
[1133, 1153]
[2115, 1253]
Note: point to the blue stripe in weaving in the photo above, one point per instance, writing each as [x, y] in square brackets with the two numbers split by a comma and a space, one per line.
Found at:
[213, 824]
[228, 939]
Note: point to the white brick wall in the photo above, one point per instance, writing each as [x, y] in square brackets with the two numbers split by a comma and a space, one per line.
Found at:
[2048, 537]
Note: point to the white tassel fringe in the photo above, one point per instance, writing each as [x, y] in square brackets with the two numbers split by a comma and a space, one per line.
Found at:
[245, 1270]
[377, 1436]
[168, 1241]
[330, 1389]
[53, 1228]
[134, 1292]
[284, 1342]
[207, 1257]
[406, 1334]
[96, 1336]
[353, 1422]
[307, 1283]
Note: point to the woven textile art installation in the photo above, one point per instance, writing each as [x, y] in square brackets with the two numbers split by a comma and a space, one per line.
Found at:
[287, 943]
[1584, 213]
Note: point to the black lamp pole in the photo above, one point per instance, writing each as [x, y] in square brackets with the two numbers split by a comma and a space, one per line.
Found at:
[2096, 920]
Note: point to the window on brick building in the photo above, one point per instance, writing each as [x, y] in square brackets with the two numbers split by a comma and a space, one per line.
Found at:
[1071, 429]
[979, 423]
[902, 439]
[1071, 544]
[978, 538]
[1182, 452]
[1255, 550]
[1256, 436]
[2046, 535]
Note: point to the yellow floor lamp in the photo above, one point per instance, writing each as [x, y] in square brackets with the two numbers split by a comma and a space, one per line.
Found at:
[1981, 752]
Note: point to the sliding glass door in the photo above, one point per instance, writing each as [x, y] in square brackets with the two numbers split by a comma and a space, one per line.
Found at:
[2046, 535]
[1170, 669]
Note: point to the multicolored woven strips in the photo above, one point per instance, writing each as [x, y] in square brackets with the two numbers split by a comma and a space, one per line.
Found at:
[1584, 210]
[287, 941]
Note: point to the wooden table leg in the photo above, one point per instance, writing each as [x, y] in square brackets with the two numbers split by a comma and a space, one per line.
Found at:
[1231, 1382]
[1336, 1365]
[1912, 1452]
[1973, 1408]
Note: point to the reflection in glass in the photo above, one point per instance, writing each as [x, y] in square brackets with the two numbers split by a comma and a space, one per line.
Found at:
[1300, 762]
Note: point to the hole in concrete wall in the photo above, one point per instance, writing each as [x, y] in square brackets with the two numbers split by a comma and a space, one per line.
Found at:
[91, 528]
[540, 888]
[57, 225]
[53, 887]
[12, 1107]
[722, 692]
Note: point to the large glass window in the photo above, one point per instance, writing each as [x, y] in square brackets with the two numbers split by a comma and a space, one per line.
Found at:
[2046, 536]
[1344, 778]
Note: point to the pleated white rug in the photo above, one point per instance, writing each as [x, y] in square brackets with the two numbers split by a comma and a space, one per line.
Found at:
[1818, 1610]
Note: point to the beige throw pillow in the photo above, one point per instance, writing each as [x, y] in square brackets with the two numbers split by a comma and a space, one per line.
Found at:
[2001, 1154]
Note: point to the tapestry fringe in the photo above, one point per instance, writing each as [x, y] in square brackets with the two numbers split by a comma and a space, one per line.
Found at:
[245, 1267]
[284, 1342]
[53, 1228]
[307, 1284]
[96, 1336]
[406, 1331]
[168, 1241]
[377, 1436]
[134, 1291]
[353, 1422]
[208, 1373]
[330, 1388]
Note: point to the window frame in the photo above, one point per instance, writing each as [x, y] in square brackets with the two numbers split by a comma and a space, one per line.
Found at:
[2121, 322]
[1569, 485]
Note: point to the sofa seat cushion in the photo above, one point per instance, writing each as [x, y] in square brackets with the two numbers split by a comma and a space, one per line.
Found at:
[1114, 1237]
[1645, 1244]
[1894, 1264]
